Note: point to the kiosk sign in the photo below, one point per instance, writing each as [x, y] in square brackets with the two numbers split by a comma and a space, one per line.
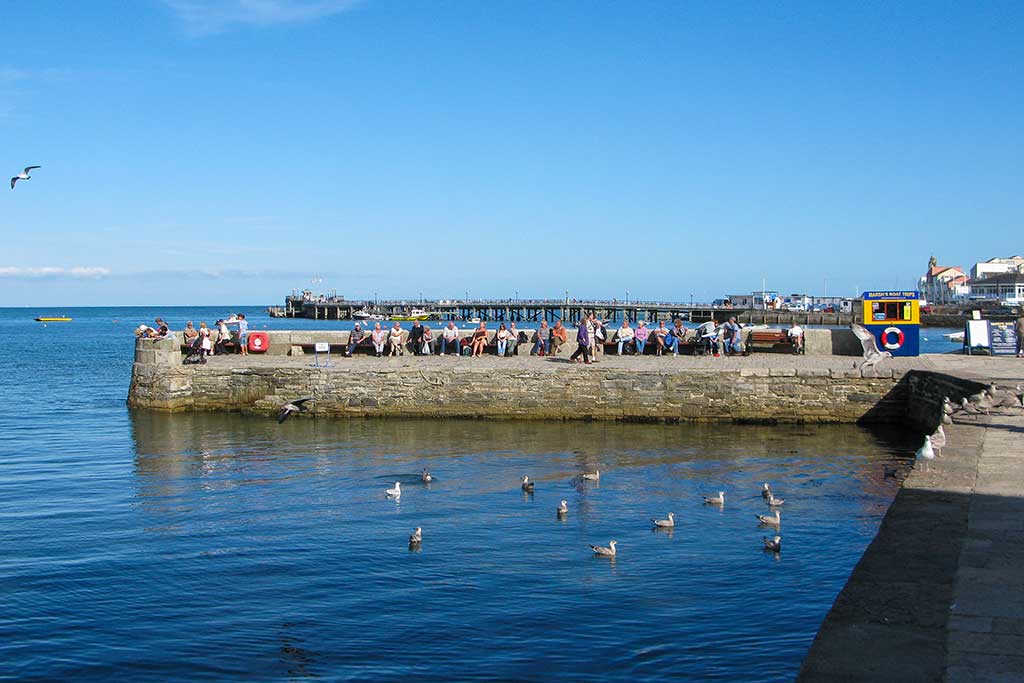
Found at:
[894, 317]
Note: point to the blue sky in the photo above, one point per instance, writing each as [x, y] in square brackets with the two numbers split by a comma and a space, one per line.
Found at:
[226, 151]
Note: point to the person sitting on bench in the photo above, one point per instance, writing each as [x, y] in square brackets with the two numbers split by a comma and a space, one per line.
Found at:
[796, 337]
[450, 338]
[640, 337]
[733, 337]
[355, 338]
[540, 339]
[559, 336]
[624, 336]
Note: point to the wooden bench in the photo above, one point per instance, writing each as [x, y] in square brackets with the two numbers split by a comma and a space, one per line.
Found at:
[772, 340]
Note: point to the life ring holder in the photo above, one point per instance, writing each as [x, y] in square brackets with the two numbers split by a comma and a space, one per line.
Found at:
[900, 338]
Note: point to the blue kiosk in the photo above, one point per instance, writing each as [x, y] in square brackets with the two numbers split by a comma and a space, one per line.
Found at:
[895, 320]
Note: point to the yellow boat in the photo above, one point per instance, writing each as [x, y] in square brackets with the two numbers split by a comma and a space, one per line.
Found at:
[416, 314]
[61, 319]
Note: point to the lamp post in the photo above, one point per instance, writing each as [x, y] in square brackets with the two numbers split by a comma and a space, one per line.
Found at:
[691, 299]
[421, 298]
[627, 297]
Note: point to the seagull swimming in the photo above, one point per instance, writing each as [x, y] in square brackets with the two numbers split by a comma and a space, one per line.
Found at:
[395, 492]
[716, 500]
[665, 523]
[773, 501]
[766, 491]
[296, 406]
[603, 551]
[527, 484]
[592, 476]
[773, 544]
[769, 520]
[416, 536]
[563, 508]
[24, 175]
[426, 476]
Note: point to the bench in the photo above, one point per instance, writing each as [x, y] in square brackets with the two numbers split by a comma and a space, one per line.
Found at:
[771, 340]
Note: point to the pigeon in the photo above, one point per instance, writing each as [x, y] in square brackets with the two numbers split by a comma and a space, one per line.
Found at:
[592, 476]
[603, 551]
[24, 175]
[766, 491]
[716, 500]
[395, 492]
[527, 484]
[426, 476]
[768, 520]
[296, 406]
[563, 508]
[665, 523]
[773, 544]
[416, 537]
[774, 502]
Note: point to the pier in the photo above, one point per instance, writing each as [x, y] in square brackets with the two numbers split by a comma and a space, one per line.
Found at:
[307, 305]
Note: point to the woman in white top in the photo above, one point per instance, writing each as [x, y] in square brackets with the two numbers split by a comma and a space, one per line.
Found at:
[428, 341]
[624, 335]
[395, 339]
[502, 338]
[379, 337]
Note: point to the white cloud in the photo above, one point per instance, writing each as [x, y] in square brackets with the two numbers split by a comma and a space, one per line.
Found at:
[78, 272]
[213, 16]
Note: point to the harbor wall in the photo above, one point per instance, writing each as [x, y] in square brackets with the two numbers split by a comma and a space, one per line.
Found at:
[530, 389]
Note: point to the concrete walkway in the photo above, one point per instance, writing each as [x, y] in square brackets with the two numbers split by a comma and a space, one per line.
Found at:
[939, 594]
[986, 624]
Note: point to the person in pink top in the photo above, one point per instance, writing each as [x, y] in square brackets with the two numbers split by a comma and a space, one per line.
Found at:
[640, 337]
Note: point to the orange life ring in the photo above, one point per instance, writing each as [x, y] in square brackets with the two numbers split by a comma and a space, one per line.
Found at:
[900, 338]
[258, 342]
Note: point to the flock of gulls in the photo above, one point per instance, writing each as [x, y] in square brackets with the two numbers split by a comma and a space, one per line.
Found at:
[984, 402]
[528, 486]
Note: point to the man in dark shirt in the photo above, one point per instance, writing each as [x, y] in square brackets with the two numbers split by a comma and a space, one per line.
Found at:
[354, 339]
[416, 338]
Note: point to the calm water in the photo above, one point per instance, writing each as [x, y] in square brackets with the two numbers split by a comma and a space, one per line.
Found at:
[201, 547]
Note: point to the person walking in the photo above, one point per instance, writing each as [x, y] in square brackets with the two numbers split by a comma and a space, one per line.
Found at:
[1019, 327]
[582, 343]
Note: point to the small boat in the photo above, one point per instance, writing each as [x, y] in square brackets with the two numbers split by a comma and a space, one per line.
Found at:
[473, 321]
[955, 337]
[54, 319]
[367, 315]
[415, 314]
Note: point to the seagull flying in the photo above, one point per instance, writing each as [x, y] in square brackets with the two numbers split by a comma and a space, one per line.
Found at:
[773, 544]
[603, 551]
[665, 523]
[296, 406]
[24, 175]
[716, 500]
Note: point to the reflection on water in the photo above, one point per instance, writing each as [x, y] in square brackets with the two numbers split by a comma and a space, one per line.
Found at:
[250, 522]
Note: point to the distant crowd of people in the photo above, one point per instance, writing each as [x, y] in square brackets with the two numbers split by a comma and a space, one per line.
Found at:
[202, 341]
[592, 337]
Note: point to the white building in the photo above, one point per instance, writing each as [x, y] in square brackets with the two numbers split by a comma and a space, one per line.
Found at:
[997, 266]
[1008, 288]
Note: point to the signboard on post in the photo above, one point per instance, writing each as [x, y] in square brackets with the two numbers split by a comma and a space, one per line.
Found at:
[318, 348]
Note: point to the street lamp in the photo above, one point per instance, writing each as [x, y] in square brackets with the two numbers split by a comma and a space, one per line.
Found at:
[516, 300]
[691, 299]
[627, 297]
[421, 298]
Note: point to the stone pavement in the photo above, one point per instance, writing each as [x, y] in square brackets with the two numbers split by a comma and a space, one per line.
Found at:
[939, 594]
[986, 624]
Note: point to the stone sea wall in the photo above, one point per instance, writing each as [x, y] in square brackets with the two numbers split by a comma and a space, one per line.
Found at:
[522, 389]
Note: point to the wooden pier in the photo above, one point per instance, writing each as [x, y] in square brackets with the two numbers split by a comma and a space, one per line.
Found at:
[534, 310]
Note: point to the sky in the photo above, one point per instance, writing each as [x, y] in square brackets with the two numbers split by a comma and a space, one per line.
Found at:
[229, 151]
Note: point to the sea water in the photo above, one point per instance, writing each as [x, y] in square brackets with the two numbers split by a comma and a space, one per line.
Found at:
[152, 547]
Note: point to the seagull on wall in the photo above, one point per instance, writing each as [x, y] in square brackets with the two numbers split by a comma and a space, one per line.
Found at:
[24, 175]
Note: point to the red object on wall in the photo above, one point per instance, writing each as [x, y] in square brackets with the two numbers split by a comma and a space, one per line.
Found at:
[258, 342]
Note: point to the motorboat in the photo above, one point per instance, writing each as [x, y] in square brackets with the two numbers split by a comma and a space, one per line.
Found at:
[957, 337]
[367, 315]
[415, 314]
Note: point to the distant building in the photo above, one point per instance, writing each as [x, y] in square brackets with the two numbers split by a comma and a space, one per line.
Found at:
[796, 302]
[755, 300]
[997, 266]
[944, 284]
[1008, 287]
